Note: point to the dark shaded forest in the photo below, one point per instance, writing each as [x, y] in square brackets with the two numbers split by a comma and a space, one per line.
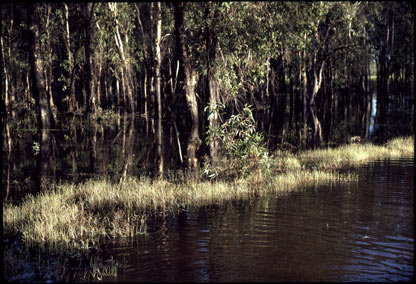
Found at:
[313, 73]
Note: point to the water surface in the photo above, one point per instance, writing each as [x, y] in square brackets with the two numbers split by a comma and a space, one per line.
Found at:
[358, 232]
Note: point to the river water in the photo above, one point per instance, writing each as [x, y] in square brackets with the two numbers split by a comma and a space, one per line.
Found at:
[356, 232]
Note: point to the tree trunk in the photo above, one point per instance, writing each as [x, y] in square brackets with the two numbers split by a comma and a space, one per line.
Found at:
[125, 57]
[190, 83]
[5, 83]
[38, 69]
[87, 13]
[159, 131]
[314, 84]
[49, 61]
[145, 47]
[72, 103]
[211, 42]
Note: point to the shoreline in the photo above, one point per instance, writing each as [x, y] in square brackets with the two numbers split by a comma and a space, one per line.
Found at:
[74, 219]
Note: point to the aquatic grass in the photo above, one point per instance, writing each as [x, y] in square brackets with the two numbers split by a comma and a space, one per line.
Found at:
[76, 218]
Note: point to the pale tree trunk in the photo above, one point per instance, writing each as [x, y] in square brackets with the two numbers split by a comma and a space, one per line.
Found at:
[159, 131]
[213, 118]
[315, 82]
[125, 57]
[48, 69]
[190, 83]
[304, 99]
[144, 39]
[6, 78]
[9, 90]
[193, 140]
[72, 103]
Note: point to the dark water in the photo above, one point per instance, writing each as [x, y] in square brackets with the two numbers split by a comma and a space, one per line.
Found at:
[360, 232]
[357, 232]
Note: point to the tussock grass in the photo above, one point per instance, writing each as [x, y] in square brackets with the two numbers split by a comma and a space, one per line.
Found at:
[76, 217]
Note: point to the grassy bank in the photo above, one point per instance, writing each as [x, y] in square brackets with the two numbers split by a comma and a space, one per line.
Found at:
[76, 217]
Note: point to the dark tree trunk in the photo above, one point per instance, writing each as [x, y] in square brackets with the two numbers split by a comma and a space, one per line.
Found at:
[40, 94]
[87, 13]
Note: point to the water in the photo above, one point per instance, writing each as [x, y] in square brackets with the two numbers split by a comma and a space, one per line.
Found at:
[356, 232]
[360, 232]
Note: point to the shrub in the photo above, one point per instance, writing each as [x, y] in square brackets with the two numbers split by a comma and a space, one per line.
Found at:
[243, 150]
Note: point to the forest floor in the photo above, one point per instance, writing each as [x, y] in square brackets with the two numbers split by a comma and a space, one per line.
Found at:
[75, 218]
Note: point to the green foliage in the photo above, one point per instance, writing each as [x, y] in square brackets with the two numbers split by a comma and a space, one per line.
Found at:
[244, 152]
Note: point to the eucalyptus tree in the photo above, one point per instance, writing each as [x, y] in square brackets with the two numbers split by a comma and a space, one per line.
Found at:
[191, 76]
[392, 37]
[211, 15]
[159, 131]
[87, 12]
[69, 64]
[37, 26]
[15, 71]
[122, 15]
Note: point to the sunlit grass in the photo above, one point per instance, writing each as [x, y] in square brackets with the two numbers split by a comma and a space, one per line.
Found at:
[353, 155]
[72, 217]
[78, 217]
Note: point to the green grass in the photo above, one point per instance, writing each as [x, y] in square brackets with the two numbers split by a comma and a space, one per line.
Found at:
[77, 217]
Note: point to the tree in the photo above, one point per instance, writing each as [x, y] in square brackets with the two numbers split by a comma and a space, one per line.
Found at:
[36, 27]
[159, 131]
[190, 83]
[90, 99]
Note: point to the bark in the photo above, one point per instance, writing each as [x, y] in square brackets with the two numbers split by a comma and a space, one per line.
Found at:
[304, 99]
[72, 103]
[126, 68]
[87, 13]
[6, 56]
[211, 42]
[144, 88]
[5, 83]
[38, 70]
[315, 81]
[190, 83]
[159, 131]
[382, 88]
[49, 63]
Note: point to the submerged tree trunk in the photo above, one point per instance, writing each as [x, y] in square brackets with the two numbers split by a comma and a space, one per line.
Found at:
[190, 83]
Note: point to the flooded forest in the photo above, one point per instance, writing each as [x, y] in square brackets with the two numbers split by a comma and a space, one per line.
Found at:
[179, 92]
